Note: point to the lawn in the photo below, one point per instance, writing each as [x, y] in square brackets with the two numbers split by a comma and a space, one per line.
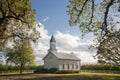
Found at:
[98, 76]
[76, 76]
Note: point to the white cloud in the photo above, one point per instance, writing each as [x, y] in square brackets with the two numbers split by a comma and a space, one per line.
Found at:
[65, 40]
[40, 49]
[65, 43]
[69, 43]
[45, 19]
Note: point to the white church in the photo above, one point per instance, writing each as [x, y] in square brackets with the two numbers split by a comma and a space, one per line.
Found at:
[61, 61]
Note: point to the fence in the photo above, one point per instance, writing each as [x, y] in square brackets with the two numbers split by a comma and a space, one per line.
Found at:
[101, 71]
[14, 72]
[31, 71]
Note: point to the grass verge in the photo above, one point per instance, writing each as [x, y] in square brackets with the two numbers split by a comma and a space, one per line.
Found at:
[74, 76]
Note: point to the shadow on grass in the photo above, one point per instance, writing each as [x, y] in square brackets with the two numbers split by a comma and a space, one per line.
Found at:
[62, 78]
[74, 78]
[79, 76]
[15, 74]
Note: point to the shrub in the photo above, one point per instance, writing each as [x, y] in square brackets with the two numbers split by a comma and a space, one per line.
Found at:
[66, 71]
[3, 68]
[100, 67]
[52, 70]
[41, 70]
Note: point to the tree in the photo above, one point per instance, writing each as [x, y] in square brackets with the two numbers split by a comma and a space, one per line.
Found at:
[17, 19]
[100, 17]
[21, 55]
[109, 49]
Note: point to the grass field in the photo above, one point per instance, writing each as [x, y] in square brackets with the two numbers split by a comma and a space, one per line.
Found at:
[76, 76]
[98, 76]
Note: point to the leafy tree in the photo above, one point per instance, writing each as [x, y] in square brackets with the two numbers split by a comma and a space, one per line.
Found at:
[17, 19]
[100, 17]
[110, 49]
[21, 55]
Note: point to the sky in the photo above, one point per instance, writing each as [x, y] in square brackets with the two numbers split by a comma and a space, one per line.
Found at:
[52, 16]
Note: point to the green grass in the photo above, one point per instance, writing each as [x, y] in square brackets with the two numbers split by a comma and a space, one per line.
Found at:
[12, 73]
[101, 76]
[74, 76]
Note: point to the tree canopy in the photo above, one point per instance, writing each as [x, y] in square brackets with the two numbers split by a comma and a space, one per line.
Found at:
[17, 19]
[101, 17]
[21, 55]
[109, 49]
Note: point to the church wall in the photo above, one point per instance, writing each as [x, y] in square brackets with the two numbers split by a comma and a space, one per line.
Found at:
[51, 61]
[69, 65]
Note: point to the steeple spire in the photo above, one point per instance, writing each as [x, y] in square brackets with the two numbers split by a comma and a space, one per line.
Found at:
[52, 39]
[52, 45]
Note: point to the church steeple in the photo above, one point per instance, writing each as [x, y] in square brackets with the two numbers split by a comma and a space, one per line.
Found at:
[52, 39]
[52, 45]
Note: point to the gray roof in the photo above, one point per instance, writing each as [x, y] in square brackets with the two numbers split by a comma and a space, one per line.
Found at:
[66, 56]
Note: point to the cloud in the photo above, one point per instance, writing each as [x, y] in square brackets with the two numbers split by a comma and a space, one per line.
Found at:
[65, 40]
[45, 19]
[69, 43]
[65, 43]
[40, 49]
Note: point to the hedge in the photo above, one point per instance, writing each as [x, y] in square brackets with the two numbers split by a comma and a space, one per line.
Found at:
[9, 68]
[100, 67]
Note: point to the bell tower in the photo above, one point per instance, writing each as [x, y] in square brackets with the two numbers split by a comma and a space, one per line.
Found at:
[52, 45]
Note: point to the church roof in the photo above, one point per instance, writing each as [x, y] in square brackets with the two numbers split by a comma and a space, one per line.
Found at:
[52, 39]
[66, 56]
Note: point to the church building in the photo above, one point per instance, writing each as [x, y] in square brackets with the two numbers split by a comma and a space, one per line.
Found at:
[61, 61]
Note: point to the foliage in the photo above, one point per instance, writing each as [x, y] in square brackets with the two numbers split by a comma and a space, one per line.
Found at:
[21, 55]
[33, 67]
[3, 68]
[100, 67]
[17, 19]
[11, 68]
[41, 69]
[93, 16]
[66, 71]
[110, 49]
[102, 19]
[52, 70]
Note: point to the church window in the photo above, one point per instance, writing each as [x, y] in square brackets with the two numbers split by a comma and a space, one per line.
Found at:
[63, 66]
[72, 66]
[76, 66]
[68, 66]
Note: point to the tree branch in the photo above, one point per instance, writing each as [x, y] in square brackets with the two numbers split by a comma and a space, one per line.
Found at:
[81, 10]
[104, 24]
[91, 18]
[3, 15]
[92, 12]
[16, 16]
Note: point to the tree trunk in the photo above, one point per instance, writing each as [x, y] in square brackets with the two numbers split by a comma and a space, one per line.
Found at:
[21, 68]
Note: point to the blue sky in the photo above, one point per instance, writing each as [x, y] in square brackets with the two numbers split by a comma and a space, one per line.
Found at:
[54, 11]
